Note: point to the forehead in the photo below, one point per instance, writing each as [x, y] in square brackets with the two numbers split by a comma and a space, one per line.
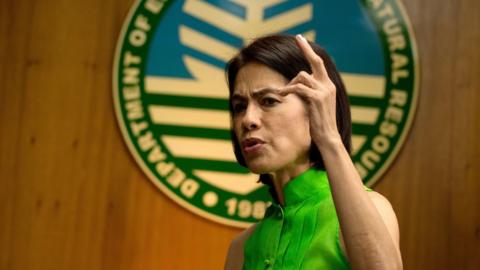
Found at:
[254, 76]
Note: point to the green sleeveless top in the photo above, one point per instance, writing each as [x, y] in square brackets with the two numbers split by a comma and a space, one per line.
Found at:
[303, 234]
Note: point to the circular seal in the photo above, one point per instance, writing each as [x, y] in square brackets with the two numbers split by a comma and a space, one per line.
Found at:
[171, 101]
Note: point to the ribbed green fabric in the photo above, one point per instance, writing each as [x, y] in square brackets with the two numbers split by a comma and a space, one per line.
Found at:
[301, 235]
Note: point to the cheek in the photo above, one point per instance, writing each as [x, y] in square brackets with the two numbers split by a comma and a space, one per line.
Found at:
[299, 123]
[301, 133]
[293, 132]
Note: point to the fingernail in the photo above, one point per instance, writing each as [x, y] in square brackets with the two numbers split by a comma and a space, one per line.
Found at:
[302, 37]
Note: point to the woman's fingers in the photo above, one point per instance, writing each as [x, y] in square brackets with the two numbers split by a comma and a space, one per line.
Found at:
[304, 78]
[299, 89]
[316, 62]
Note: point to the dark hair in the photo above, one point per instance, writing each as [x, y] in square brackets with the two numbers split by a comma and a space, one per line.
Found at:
[282, 54]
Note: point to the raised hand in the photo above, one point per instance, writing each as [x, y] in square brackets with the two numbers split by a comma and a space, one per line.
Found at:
[319, 93]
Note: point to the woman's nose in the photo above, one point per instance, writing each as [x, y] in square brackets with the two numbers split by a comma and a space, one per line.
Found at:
[251, 119]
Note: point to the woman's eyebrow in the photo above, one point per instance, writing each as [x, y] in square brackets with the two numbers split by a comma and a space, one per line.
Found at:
[256, 94]
[264, 91]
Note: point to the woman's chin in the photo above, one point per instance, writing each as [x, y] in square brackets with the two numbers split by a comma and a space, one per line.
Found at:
[259, 167]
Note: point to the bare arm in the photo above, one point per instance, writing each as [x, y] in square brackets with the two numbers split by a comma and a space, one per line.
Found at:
[234, 260]
[368, 224]
[388, 216]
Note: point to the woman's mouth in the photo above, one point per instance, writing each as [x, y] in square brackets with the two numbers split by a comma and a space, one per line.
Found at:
[252, 145]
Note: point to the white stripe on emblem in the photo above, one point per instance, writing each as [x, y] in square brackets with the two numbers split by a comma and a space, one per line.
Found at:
[206, 44]
[179, 116]
[205, 85]
[364, 85]
[221, 120]
[208, 81]
[234, 182]
[201, 148]
[364, 115]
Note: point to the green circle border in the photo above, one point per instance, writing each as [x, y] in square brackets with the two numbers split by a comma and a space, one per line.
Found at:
[230, 222]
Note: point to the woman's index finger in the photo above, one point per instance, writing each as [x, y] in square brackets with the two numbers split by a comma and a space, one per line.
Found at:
[316, 62]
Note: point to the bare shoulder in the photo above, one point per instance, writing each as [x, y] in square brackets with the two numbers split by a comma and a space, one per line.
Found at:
[234, 259]
[385, 210]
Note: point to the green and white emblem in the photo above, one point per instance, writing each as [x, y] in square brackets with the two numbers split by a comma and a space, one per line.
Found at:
[171, 98]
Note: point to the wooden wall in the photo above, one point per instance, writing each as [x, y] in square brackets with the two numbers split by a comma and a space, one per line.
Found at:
[72, 197]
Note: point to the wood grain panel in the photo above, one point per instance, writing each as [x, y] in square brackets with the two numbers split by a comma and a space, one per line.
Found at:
[71, 197]
[434, 182]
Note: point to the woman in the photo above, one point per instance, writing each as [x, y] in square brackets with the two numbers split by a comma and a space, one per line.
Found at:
[291, 124]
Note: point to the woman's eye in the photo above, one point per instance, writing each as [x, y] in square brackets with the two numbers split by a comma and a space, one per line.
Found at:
[269, 101]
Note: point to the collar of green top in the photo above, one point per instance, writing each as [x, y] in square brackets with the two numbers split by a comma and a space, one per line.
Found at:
[305, 185]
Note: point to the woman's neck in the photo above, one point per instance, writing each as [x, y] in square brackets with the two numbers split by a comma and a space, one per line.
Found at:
[281, 177]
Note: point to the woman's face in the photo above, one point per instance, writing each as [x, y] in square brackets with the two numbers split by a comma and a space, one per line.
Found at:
[272, 130]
